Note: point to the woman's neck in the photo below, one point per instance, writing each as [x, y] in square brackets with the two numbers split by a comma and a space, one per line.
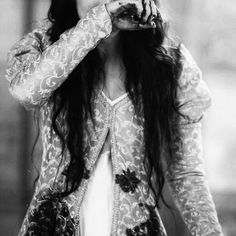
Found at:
[110, 50]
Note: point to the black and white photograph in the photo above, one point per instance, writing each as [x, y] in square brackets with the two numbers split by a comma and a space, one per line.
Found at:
[117, 118]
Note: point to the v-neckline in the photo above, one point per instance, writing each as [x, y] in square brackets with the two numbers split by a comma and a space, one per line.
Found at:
[114, 101]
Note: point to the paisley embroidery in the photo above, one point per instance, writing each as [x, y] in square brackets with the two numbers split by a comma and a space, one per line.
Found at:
[127, 181]
[147, 228]
[50, 217]
[35, 70]
[34, 75]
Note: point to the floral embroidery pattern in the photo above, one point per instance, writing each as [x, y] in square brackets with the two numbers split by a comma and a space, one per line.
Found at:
[34, 75]
[147, 228]
[50, 217]
[32, 83]
[127, 181]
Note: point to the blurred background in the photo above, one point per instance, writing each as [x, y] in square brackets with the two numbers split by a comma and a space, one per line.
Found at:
[208, 29]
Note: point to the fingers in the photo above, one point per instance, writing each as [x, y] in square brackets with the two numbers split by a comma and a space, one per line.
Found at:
[146, 11]
[153, 13]
[156, 12]
[132, 14]
[139, 8]
[149, 13]
[153, 9]
[151, 16]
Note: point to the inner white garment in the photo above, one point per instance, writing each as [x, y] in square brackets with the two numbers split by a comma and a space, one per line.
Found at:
[96, 208]
[97, 204]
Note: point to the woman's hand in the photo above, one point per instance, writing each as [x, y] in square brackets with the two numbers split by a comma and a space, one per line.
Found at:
[133, 14]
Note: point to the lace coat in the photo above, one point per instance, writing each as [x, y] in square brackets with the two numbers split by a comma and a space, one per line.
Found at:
[35, 69]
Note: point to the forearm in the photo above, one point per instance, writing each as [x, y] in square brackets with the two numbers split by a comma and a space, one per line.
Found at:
[188, 184]
[33, 81]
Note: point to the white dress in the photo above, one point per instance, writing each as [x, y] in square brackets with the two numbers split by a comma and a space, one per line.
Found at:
[96, 208]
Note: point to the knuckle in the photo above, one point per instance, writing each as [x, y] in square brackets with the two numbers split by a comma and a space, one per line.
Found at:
[139, 9]
[153, 8]
[147, 6]
[147, 14]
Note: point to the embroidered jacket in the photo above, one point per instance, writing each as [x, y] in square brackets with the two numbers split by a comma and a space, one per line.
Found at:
[36, 69]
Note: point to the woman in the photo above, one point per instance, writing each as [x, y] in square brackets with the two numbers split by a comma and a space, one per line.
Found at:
[119, 107]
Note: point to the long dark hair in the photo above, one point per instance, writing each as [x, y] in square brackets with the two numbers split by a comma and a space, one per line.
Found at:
[152, 74]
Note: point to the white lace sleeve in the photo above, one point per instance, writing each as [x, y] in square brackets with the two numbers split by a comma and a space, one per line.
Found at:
[186, 177]
[33, 73]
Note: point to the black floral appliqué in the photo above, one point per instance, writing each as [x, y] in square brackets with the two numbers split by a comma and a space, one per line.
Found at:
[127, 181]
[147, 228]
[50, 217]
